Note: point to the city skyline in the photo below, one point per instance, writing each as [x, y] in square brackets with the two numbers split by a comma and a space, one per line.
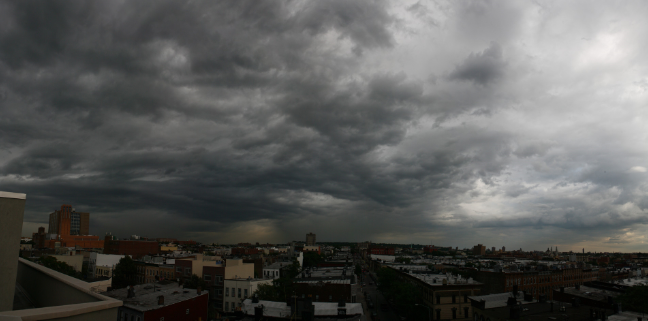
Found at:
[450, 123]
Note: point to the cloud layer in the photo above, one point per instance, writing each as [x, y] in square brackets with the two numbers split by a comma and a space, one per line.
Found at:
[501, 123]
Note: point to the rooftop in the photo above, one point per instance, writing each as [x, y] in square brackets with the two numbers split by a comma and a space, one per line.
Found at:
[499, 299]
[146, 295]
[591, 293]
[281, 309]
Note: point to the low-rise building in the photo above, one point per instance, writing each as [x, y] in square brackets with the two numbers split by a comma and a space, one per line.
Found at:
[163, 300]
[75, 261]
[237, 290]
[102, 265]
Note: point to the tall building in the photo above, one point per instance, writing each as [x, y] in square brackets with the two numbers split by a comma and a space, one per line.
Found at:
[68, 228]
[67, 221]
[479, 250]
[310, 239]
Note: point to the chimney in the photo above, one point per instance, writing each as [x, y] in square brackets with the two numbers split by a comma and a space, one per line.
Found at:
[161, 300]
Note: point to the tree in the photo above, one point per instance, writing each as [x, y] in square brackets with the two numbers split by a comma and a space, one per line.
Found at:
[194, 282]
[268, 292]
[58, 266]
[634, 299]
[125, 273]
[312, 259]
[402, 259]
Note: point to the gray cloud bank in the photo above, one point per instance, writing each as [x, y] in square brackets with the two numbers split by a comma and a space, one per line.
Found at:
[206, 120]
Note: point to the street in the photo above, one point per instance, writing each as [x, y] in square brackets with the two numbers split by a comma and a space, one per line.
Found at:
[373, 295]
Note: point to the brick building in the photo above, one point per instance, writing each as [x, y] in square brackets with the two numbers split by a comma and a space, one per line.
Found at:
[446, 296]
[147, 272]
[383, 251]
[164, 301]
[240, 251]
[135, 249]
[535, 282]
[479, 250]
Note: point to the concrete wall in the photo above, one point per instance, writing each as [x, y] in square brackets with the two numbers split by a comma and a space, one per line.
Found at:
[59, 297]
[12, 208]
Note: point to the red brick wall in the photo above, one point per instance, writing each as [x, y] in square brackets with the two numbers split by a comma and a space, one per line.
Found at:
[196, 308]
[135, 249]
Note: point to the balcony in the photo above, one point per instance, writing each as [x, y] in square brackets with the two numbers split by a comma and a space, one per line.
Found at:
[44, 294]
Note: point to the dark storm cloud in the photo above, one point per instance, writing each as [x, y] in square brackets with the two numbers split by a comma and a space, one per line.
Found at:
[482, 67]
[199, 119]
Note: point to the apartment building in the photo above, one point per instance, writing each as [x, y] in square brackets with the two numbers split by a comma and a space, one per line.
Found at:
[102, 265]
[535, 282]
[444, 294]
[215, 277]
[239, 289]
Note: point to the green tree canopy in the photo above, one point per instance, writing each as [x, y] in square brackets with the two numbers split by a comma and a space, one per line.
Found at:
[195, 281]
[634, 299]
[312, 259]
[125, 273]
[58, 266]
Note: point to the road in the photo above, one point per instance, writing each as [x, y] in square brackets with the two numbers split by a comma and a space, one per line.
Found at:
[376, 297]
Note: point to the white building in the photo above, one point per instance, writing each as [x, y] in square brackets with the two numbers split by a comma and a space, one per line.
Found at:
[237, 290]
[101, 262]
[273, 271]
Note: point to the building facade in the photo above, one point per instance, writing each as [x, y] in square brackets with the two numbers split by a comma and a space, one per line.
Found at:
[310, 239]
[535, 282]
[67, 221]
[134, 249]
[237, 290]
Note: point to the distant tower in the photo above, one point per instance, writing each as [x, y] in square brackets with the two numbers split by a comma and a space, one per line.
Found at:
[583, 250]
[310, 239]
[503, 248]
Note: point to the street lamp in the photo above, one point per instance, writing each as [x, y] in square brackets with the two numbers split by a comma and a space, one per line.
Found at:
[427, 307]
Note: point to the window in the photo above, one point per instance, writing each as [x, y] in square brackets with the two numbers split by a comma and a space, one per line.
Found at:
[179, 269]
[239, 292]
[207, 277]
[245, 293]
[226, 291]
[188, 271]
[454, 298]
[466, 299]
[438, 299]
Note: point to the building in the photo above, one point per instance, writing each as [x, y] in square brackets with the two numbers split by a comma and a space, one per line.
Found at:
[187, 266]
[163, 300]
[239, 289]
[383, 251]
[241, 251]
[330, 284]
[39, 238]
[67, 221]
[315, 310]
[312, 248]
[445, 295]
[43, 294]
[275, 270]
[67, 228]
[134, 249]
[479, 250]
[535, 282]
[310, 239]
[517, 305]
[215, 277]
[75, 261]
[149, 272]
[102, 265]
[430, 249]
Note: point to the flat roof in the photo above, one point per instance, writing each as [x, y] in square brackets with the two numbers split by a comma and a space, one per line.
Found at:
[19, 196]
[146, 295]
[500, 299]
[591, 293]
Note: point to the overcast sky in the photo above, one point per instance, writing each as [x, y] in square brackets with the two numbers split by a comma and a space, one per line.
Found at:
[508, 123]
